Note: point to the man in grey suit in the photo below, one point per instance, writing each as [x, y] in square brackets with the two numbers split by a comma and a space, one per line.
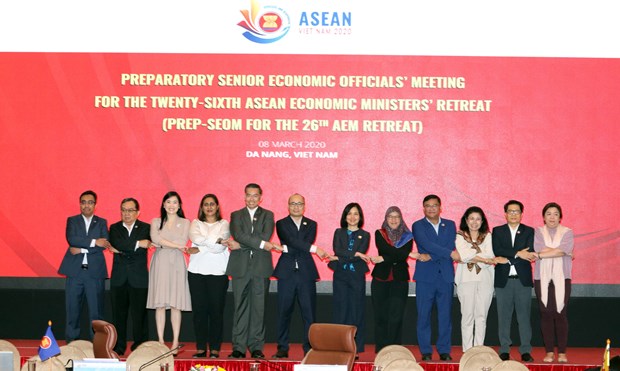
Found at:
[513, 280]
[250, 267]
[84, 265]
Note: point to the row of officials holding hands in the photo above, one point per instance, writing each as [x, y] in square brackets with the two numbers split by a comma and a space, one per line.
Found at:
[486, 263]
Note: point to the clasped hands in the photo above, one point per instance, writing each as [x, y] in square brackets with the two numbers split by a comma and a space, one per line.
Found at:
[525, 254]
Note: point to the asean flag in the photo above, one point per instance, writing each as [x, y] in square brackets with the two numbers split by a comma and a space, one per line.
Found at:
[49, 346]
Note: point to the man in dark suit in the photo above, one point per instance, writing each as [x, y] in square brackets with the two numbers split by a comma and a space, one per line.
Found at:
[434, 276]
[250, 267]
[296, 272]
[84, 265]
[130, 239]
[513, 281]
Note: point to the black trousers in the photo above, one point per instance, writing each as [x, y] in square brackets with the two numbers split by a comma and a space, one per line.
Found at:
[125, 300]
[349, 303]
[291, 290]
[208, 298]
[389, 299]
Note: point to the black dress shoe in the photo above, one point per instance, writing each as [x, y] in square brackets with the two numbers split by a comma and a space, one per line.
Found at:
[214, 354]
[504, 356]
[427, 357]
[281, 353]
[236, 354]
[200, 354]
[526, 357]
[258, 354]
[445, 357]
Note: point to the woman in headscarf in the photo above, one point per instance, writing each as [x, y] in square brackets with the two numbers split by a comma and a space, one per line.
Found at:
[390, 278]
[553, 244]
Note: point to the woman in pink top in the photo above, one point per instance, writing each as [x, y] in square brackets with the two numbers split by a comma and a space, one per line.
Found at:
[553, 244]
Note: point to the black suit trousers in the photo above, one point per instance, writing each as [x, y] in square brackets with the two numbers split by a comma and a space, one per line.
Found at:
[125, 300]
[289, 289]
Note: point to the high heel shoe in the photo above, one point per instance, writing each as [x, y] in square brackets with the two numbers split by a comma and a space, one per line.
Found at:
[549, 357]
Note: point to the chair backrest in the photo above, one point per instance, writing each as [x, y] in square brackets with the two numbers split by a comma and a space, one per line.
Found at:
[392, 352]
[147, 352]
[331, 345]
[403, 365]
[68, 352]
[9, 347]
[85, 346]
[474, 351]
[104, 339]
[510, 365]
[479, 361]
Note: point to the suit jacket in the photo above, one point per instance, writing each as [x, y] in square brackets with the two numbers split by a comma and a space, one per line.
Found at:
[76, 235]
[250, 241]
[298, 243]
[394, 259]
[130, 265]
[502, 246]
[346, 256]
[439, 246]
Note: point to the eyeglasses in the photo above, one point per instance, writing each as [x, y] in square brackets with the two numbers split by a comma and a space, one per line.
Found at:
[296, 204]
[128, 211]
[513, 212]
[87, 202]
[434, 206]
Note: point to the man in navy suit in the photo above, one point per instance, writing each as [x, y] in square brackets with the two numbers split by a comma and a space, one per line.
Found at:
[513, 281]
[84, 265]
[296, 272]
[130, 239]
[434, 276]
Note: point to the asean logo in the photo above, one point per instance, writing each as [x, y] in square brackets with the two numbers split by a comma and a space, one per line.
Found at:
[46, 342]
[264, 25]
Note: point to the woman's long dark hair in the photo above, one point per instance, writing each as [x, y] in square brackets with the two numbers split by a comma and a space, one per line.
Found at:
[162, 211]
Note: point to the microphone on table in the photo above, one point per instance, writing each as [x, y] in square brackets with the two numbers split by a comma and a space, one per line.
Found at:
[159, 358]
